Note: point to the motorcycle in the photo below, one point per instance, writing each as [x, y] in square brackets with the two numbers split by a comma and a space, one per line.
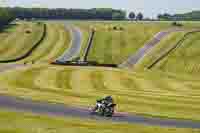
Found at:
[103, 109]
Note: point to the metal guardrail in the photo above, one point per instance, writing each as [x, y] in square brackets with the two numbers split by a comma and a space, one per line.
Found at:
[85, 56]
[84, 63]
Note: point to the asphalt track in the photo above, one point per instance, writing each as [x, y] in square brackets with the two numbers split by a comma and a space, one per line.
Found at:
[22, 105]
[132, 60]
[75, 47]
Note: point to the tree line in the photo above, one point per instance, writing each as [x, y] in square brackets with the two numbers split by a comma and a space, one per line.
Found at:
[190, 16]
[7, 14]
[133, 16]
[61, 13]
[5, 17]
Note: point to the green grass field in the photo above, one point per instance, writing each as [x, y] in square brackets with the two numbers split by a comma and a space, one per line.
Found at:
[148, 93]
[15, 41]
[169, 90]
[57, 40]
[163, 46]
[184, 59]
[114, 46]
[30, 123]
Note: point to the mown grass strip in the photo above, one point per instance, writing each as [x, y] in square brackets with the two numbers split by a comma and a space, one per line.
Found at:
[157, 51]
[54, 44]
[177, 45]
[141, 93]
[30, 50]
[185, 56]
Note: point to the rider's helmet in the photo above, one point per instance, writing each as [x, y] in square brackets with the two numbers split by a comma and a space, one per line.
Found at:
[109, 99]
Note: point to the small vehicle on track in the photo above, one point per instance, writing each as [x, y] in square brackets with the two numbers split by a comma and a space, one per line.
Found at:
[104, 107]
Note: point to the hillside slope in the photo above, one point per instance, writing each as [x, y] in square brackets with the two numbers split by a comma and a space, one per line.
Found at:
[169, 95]
[56, 41]
[20, 39]
[112, 45]
[186, 58]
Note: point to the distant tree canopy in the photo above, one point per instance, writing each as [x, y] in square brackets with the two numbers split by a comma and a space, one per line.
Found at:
[191, 16]
[132, 15]
[5, 16]
[139, 16]
[60, 13]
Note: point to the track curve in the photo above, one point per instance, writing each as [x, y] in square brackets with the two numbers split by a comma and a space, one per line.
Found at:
[21, 105]
[75, 47]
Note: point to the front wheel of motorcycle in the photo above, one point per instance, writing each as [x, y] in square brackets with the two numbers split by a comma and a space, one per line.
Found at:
[109, 112]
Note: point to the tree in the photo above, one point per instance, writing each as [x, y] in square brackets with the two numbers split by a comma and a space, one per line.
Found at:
[139, 16]
[5, 17]
[190, 16]
[159, 16]
[164, 16]
[132, 15]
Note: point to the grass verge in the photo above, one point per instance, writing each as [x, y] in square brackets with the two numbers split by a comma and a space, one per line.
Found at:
[11, 122]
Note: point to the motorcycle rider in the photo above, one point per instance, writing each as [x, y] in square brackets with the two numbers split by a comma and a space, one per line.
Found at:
[104, 106]
[108, 100]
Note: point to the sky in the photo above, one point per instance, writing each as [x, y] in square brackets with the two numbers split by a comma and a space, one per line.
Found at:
[150, 8]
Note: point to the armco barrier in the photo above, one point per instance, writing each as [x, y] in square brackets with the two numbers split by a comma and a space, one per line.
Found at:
[91, 63]
[89, 45]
